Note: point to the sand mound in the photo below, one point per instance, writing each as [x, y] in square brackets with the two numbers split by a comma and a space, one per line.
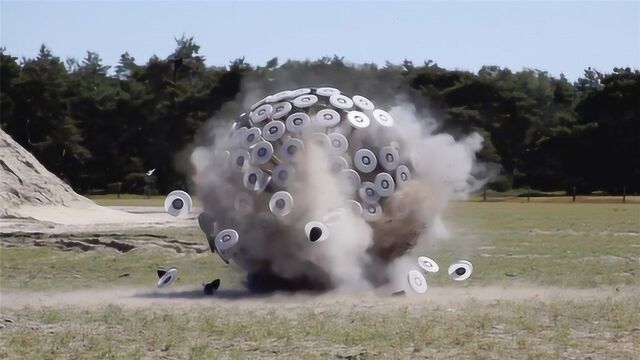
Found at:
[29, 191]
[25, 182]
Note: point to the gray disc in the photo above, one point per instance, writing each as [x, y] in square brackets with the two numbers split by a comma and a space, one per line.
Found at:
[338, 143]
[365, 161]
[273, 130]
[368, 193]
[304, 101]
[341, 101]
[358, 119]
[327, 118]
[281, 109]
[327, 91]
[298, 122]
[261, 113]
[363, 103]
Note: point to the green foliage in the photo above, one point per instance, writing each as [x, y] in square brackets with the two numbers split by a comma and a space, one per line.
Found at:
[97, 126]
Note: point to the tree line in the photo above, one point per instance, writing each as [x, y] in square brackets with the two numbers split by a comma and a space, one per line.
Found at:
[102, 129]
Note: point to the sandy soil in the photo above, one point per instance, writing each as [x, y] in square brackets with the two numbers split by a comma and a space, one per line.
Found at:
[435, 297]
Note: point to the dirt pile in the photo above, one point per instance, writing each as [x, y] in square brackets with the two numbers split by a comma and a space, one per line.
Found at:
[25, 182]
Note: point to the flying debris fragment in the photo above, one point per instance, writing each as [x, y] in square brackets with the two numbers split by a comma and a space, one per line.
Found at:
[166, 277]
[178, 203]
[460, 270]
[211, 287]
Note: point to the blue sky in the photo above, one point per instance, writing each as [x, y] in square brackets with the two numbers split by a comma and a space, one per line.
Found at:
[559, 37]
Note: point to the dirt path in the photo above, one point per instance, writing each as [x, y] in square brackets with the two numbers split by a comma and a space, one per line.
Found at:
[435, 297]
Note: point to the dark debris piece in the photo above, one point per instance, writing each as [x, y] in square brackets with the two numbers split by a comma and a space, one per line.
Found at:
[211, 287]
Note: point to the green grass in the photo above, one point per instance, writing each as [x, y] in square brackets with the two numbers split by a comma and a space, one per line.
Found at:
[600, 329]
[576, 245]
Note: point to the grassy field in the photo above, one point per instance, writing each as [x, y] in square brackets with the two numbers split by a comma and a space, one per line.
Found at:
[564, 246]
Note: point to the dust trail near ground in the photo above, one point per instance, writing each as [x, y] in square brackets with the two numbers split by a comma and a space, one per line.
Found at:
[190, 297]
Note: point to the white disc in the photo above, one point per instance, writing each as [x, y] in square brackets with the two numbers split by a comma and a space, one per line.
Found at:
[305, 101]
[240, 158]
[341, 101]
[358, 119]
[225, 241]
[291, 149]
[417, 282]
[349, 180]
[168, 277]
[383, 118]
[371, 212]
[296, 123]
[261, 113]
[459, 271]
[244, 203]
[282, 95]
[281, 203]
[321, 140]
[254, 179]
[252, 137]
[298, 92]
[403, 176]
[468, 263]
[428, 264]
[283, 175]
[261, 153]
[354, 207]
[368, 193]
[363, 103]
[384, 184]
[389, 158]
[178, 203]
[338, 143]
[259, 103]
[273, 130]
[365, 161]
[316, 231]
[281, 109]
[327, 118]
[327, 91]
[337, 163]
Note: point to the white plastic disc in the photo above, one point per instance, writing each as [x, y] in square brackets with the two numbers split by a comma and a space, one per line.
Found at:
[252, 137]
[296, 123]
[168, 278]
[261, 113]
[327, 118]
[327, 91]
[341, 102]
[468, 263]
[301, 91]
[368, 193]
[460, 271]
[261, 153]
[305, 101]
[282, 95]
[403, 175]
[371, 212]
[291, 149]
[338, 143]
[363, 103]
[384, 184]
[257, 104]
[417, 282]
[240, 158]
[337, 163]
[178, 203]
[225, 241]
[254, 179]
[349, 180]
[244, 203]
[358, 119]
[281, 109]
[283, 175]
[428, 264]
[383, 118]
[281, 203]
[273, 130]
[365, 161]
[316, 231]
[389, 158]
